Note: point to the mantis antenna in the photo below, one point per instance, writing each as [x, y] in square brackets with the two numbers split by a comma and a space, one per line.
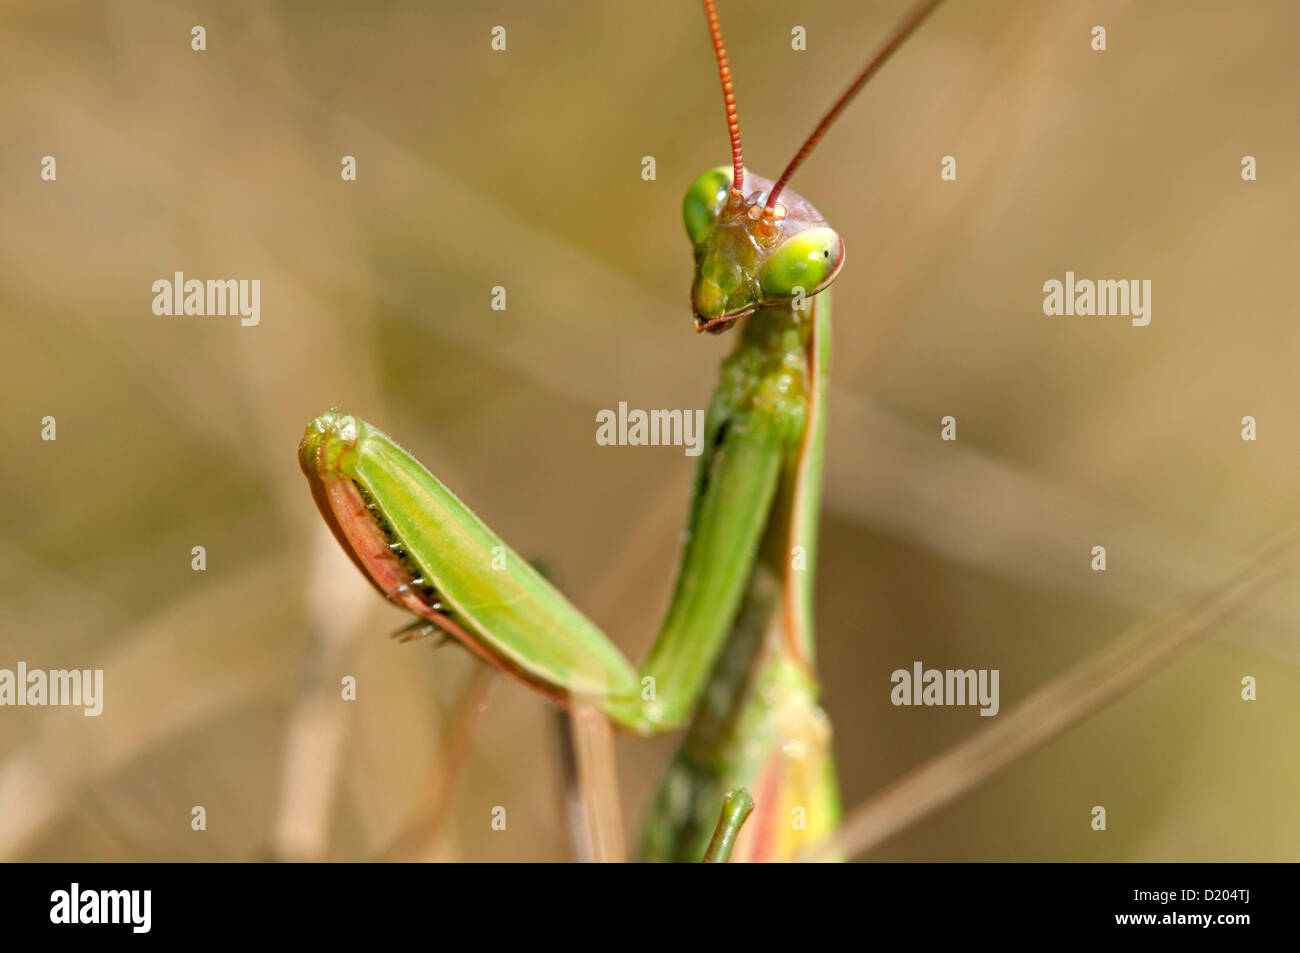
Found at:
[910, 22]
[728, 97]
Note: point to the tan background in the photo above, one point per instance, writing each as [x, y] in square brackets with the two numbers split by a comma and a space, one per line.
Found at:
[523, 169]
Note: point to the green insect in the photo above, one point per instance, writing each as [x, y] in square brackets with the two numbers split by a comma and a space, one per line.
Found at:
[735, 652]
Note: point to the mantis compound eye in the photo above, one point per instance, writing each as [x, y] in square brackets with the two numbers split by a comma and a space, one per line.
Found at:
[704, 200]
[809, 260]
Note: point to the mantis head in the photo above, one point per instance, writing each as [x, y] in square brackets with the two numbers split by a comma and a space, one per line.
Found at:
[769, 245]
[747, 257]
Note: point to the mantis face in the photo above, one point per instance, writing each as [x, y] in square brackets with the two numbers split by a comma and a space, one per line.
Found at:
[746, 259]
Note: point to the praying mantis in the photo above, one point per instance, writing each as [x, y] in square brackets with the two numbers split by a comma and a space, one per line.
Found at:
[735, 655]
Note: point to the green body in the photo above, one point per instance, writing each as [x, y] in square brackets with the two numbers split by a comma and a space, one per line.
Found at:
[736, 648]
[758, 723]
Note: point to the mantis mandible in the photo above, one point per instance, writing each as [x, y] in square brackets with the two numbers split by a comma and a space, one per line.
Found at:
[736, 648]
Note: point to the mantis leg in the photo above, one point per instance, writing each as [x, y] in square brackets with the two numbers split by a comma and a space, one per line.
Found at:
[427, 551]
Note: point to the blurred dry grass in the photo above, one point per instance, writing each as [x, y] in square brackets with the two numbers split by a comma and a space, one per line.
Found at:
[522, 169]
